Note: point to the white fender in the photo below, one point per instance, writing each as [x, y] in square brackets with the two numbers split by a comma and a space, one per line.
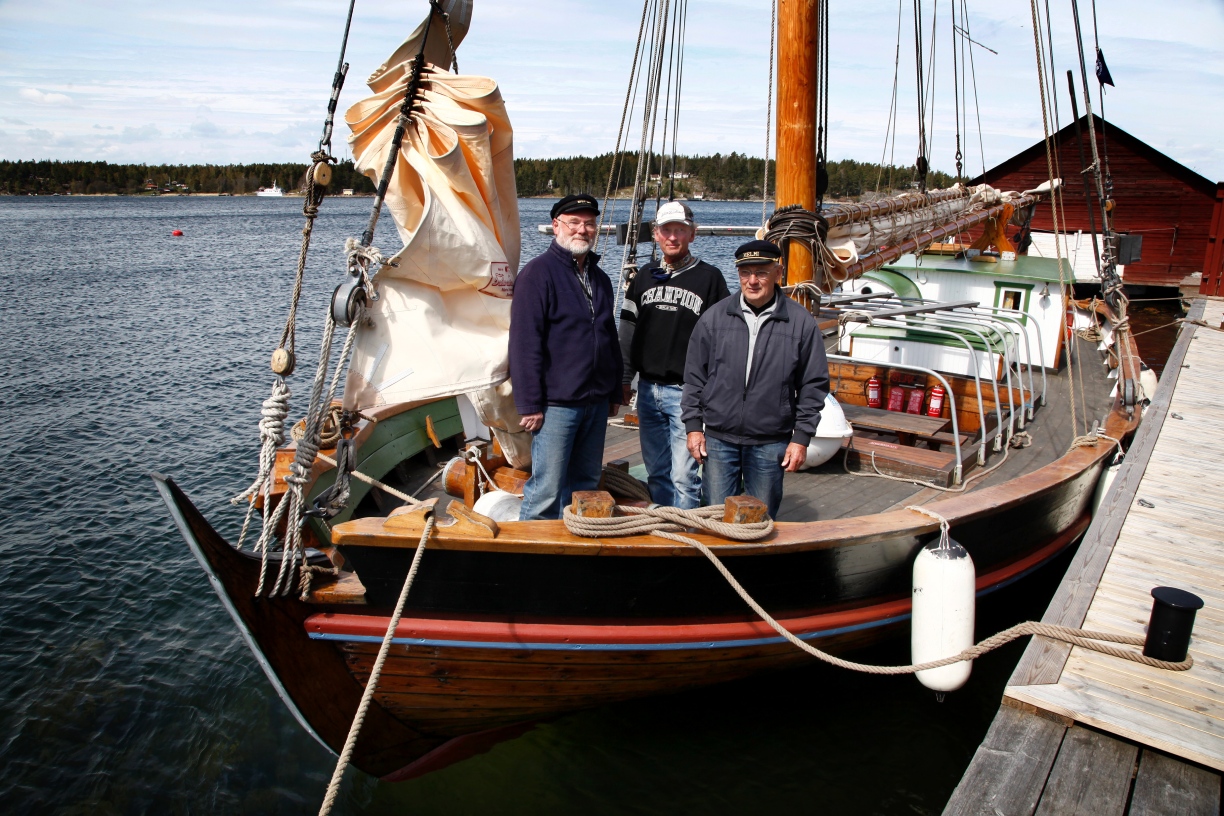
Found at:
[827, 440]
[1103, 484]
[943, 599]
[499, 505]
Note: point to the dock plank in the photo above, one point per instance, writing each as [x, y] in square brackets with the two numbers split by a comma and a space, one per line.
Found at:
[1043, 660]
[1166, 785]
[1178, 731]
[1092, 776]
[1009, 770]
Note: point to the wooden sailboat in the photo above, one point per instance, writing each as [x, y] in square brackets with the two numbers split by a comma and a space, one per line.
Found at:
[509, 623]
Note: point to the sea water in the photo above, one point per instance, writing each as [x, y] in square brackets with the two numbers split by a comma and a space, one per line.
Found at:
[126, 687]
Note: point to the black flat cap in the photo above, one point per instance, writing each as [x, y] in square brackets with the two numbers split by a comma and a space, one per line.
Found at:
[575, 203]
[757, 252]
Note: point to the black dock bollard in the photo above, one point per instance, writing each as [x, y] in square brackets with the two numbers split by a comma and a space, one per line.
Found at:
[1168, 635]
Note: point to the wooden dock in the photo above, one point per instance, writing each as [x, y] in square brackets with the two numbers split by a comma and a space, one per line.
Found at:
[1081, 732]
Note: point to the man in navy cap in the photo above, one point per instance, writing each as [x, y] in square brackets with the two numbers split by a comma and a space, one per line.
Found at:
[660, 310]
[755, 380]
[565, 361]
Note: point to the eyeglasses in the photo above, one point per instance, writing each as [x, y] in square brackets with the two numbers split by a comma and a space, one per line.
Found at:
[575, 226]
[759, 274]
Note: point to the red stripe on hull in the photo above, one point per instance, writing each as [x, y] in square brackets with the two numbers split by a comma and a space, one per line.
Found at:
[340, 625]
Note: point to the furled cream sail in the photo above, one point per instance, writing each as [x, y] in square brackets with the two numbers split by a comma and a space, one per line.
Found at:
[441, 323]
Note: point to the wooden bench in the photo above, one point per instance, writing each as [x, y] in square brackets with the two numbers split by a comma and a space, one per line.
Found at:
[936, 467]
[906, 427]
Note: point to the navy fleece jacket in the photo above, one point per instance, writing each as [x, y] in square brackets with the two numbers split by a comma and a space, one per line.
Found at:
[563, 351]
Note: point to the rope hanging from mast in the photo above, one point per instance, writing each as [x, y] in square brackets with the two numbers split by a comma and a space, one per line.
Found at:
[921, 165]
[275, 409]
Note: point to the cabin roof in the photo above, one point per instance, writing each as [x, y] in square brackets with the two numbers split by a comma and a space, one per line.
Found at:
[1024, 267]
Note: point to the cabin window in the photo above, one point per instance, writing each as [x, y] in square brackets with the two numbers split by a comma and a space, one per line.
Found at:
[1013, 296]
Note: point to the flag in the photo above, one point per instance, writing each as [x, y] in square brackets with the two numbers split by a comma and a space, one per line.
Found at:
[1102, 70]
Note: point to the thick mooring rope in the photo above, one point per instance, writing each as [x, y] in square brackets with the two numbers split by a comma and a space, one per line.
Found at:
[346, 755]
[665, 522]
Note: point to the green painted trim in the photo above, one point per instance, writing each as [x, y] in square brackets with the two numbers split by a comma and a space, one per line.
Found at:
[903, 286]
[392, 441]
[1025, 267]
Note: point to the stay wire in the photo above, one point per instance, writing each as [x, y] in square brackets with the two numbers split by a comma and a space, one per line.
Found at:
[892, 109]
[325, 144]
[921, 165]
[956, 94]
[621, 132]
[773, 29]
[973, 73]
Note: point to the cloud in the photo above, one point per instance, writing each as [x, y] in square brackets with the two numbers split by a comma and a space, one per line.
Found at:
[9, 120]
[203, 127]
[103, 127]
[40, 98]
[144, 133]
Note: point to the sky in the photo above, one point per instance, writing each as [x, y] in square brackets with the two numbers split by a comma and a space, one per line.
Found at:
[167, 81]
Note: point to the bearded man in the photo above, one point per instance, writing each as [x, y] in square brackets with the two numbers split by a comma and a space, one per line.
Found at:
[565, 360]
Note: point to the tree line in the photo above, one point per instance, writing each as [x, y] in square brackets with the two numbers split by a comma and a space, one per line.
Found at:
[730, 176]
[95, 178]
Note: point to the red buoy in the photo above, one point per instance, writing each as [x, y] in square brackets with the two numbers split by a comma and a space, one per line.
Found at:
[177, 233]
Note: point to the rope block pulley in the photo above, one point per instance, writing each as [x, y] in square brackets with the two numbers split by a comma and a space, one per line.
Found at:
[347, 300]
[283, 362]
[322, 174]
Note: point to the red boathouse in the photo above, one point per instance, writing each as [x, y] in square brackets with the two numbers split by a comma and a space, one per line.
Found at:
[1177, 211]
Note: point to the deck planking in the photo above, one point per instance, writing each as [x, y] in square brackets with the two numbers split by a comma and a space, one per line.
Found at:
[1132, 739]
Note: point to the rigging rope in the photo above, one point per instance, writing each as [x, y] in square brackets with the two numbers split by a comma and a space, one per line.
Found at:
[920, 165]
[275, 409]
[350, 742]
[667, 522]
[892, 111]
[773, 36]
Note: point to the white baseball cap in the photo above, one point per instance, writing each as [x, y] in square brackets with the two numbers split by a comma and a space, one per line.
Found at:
[673, 211]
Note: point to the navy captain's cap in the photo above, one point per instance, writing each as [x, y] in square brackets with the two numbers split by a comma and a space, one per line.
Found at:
[757, 252]
[575, 203]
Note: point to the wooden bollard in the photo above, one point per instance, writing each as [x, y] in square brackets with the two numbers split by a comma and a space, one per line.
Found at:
[619, 464]
[743, 510]
[593, 504]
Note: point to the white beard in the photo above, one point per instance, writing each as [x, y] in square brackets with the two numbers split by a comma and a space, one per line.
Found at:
[578, 245]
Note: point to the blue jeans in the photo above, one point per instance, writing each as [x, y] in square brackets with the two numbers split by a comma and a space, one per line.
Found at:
[732, 470]
[671, 471]
[566, 455]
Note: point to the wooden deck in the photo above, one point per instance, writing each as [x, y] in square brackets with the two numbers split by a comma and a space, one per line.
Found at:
[1081, 732]
[830, 492]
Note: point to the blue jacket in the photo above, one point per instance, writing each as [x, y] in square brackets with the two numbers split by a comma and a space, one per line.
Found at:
[789, 381]
[560, 352]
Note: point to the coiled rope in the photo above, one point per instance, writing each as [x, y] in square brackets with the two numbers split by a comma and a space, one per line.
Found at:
[665, 522]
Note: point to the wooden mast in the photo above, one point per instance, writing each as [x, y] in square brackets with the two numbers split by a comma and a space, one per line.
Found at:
[796, 150]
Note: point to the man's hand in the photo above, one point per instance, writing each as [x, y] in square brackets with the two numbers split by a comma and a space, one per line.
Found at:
[626, 394]
[532, 422]
[697, 446]
[796, 455]
[613, 409]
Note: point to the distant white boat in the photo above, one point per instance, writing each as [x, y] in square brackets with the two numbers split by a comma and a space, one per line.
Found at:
[271, 192]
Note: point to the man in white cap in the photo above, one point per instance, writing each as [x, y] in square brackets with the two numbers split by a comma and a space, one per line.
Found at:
[662, 305]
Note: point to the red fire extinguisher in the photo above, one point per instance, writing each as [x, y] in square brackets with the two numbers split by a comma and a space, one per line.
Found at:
[896, 398]
[935, 408]
[915, 401]
[873, 393]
